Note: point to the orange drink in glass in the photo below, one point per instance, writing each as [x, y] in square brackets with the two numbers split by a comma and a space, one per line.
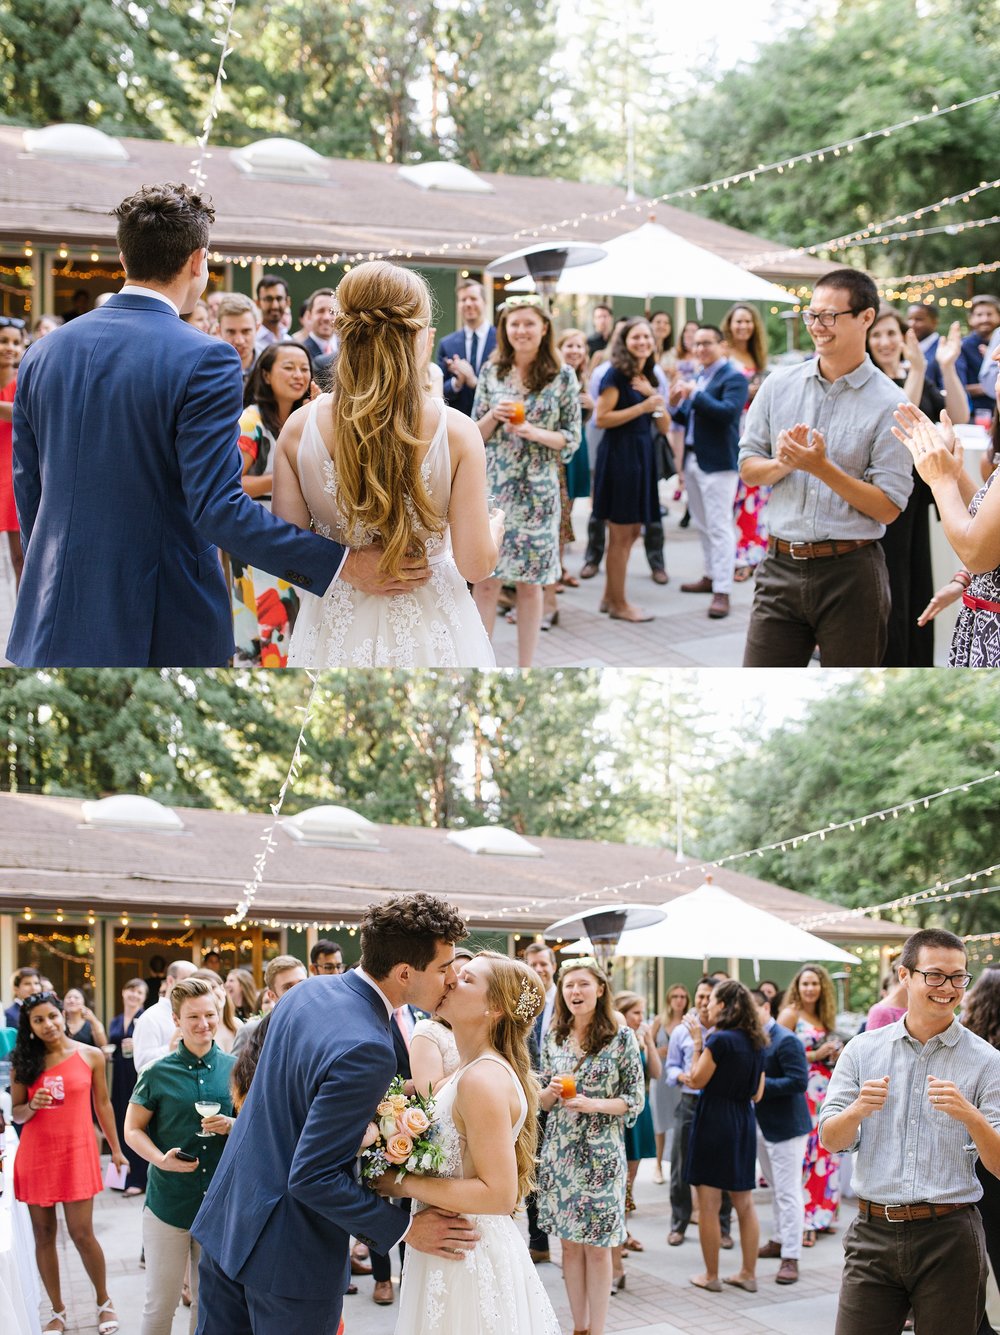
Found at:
[568, 1083]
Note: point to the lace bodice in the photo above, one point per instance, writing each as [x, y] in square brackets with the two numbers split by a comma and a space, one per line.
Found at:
[448, 1134]
[318, 481]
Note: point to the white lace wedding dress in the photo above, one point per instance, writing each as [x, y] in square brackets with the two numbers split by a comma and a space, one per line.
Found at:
[435, 626]
[495, 1289]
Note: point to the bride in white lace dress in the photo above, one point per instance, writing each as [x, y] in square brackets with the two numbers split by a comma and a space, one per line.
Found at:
[486, 1121]
[378, 462]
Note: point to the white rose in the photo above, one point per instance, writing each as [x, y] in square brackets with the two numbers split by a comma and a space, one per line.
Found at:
[411, 1163]
[387, 1126]
[427, 1162]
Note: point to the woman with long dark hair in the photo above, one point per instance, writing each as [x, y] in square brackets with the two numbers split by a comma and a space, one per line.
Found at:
[625, 493]
[729, 1070]
[593, 1086]
[57, 1087]
[264, 606]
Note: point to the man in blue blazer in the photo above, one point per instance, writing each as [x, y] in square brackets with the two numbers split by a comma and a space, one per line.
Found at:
[709, 409]
[783, 1127]
[461, 354]
[276, 1222]
[127, 471]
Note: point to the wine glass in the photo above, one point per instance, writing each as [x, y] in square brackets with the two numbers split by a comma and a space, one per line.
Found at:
[206, 1108]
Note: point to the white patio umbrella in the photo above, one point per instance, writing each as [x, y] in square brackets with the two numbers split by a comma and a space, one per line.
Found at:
[652, 261]
[710, 923]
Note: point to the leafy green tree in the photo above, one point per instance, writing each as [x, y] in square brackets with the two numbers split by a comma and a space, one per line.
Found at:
[868, 63]
[138, 68]
[877, 741]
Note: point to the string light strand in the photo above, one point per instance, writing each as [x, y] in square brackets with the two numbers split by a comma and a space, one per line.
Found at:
[222, 39]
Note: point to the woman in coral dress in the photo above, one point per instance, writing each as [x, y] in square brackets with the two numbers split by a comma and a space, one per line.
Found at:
[57, 1087]
[11, 351]
[810, 1011]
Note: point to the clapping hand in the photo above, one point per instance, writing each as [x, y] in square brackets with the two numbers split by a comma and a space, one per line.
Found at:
[801, 447]
[937, 453]
[914, 352]
[949, 348]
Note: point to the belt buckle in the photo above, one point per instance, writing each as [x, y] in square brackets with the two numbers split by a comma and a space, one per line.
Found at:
[791, 550]
[888, 1217]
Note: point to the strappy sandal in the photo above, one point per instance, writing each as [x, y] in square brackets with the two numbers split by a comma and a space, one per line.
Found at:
[56, 1316]
[110, 1324]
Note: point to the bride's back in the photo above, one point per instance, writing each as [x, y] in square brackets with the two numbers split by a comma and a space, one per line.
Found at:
[373, 427]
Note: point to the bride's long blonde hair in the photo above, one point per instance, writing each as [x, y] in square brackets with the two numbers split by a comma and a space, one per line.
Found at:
[378, 402]
[513, 989]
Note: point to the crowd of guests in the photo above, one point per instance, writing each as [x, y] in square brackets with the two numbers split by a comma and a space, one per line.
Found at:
[763, 1085]
[823, 498]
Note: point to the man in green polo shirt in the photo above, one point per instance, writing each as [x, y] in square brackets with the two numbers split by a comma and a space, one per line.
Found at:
[162, 1120]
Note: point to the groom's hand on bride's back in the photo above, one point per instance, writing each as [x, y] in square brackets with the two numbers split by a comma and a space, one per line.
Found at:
[361, 571]
[448, 1236]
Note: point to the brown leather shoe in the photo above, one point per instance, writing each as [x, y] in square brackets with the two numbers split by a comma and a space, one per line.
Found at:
[359, 1267]
[770, 1251]
[675, 1238]
[788, 1272]
[726, 1243]
[383, 1294]
[539, 1254]
[703, 585]
[660, 576]
[719, 606]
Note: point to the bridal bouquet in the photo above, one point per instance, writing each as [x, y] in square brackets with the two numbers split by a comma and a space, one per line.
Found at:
[403, 1136]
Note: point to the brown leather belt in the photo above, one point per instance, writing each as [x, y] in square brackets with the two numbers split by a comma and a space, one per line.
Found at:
[903, 1214]
[808, 551]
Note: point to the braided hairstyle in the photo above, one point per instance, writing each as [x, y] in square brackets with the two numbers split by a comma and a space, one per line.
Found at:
[378, 404]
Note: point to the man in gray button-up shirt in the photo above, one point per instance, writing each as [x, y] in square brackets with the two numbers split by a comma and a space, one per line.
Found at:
[820, 435]
[918, 1100]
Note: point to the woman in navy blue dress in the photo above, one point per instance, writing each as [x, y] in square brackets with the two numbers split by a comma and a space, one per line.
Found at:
[723, 1145]
[625, 492]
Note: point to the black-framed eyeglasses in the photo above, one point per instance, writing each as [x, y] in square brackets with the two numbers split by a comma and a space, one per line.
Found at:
[12, 322]
[936, 978]
[824, 319]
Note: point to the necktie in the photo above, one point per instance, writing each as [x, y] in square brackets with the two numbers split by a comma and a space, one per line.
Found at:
[538, 1029]
[403, 1021]
[474, 353]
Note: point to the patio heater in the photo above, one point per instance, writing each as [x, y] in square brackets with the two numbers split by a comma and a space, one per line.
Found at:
[604, 924]
[544, 264]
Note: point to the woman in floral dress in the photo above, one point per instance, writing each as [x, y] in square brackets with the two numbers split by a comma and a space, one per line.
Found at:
[810, 1011]
[582, 1174]
[528, 408]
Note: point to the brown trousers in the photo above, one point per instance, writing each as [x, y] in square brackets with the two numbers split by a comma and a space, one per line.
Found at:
[937, 1267]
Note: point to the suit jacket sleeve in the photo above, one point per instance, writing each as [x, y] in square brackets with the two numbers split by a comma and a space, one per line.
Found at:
[210, 469]
[444, 352]
[27, 476]
[794, 1078]
[321, 1174]
[722, 399]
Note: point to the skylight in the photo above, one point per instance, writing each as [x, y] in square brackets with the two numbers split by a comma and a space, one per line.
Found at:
[127, 811]
[79, 142]
[445, 176]
[283, 158]
[333, 827]
[494, 839]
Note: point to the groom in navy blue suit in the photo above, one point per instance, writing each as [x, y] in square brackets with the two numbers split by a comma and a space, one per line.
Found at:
[462, 354]
[127, 471]
[276, 1222]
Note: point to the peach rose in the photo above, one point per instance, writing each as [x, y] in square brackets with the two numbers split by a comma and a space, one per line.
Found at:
[398, 1148]
[370, 1136]
[385, 1108]
[398, 1102]
[414, 1121]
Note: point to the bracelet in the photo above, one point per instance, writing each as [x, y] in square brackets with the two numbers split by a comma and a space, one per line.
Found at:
[962, 577]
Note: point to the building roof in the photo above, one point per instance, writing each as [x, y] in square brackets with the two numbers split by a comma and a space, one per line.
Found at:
[50, 860]
[355, 207]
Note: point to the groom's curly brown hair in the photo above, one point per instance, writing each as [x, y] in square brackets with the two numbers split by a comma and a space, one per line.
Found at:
[407, 930]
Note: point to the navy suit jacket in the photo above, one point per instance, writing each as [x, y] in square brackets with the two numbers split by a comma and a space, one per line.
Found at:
[126, 481]
[284, 1202]
[454, 346]
[717, 409]
[783, 1114]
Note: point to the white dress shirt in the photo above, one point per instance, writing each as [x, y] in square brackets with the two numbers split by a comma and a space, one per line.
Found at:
[135, 290]
[152, 1034]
